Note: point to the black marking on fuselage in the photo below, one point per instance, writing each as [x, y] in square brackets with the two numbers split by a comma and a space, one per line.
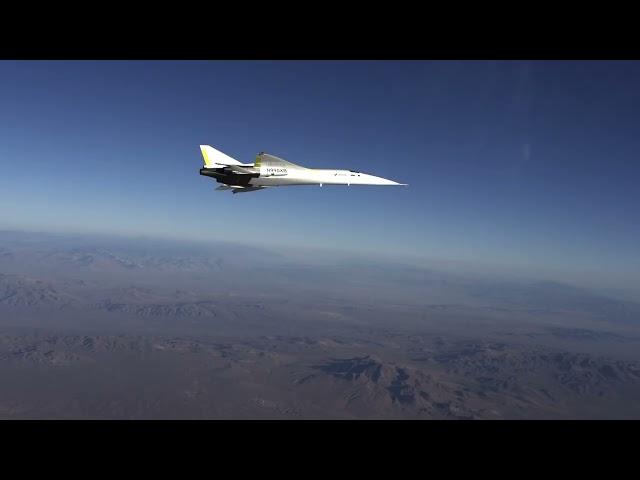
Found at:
[228, 177]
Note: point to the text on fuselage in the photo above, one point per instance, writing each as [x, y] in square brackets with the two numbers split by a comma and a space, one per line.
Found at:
[275, 171]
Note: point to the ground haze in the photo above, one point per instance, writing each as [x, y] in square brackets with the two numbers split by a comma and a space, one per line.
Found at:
[116, 328]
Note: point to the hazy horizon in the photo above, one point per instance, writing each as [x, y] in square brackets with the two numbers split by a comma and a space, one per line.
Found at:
[318, 255]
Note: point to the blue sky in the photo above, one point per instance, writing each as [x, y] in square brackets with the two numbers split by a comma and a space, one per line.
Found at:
[527, 165]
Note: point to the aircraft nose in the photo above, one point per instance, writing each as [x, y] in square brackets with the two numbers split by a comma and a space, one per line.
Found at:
[385, 181]
[381, 181]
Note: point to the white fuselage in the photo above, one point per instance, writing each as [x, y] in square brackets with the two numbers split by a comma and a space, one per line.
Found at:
[287, 175]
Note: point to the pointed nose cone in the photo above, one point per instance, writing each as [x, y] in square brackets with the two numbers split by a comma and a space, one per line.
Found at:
[373, 180]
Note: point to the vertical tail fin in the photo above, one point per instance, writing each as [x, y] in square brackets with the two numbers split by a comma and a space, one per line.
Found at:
[216, 159]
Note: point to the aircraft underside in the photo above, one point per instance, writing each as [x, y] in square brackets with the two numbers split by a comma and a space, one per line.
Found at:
[248, 182]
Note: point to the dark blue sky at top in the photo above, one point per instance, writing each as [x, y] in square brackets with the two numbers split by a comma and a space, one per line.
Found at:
[533, 165]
